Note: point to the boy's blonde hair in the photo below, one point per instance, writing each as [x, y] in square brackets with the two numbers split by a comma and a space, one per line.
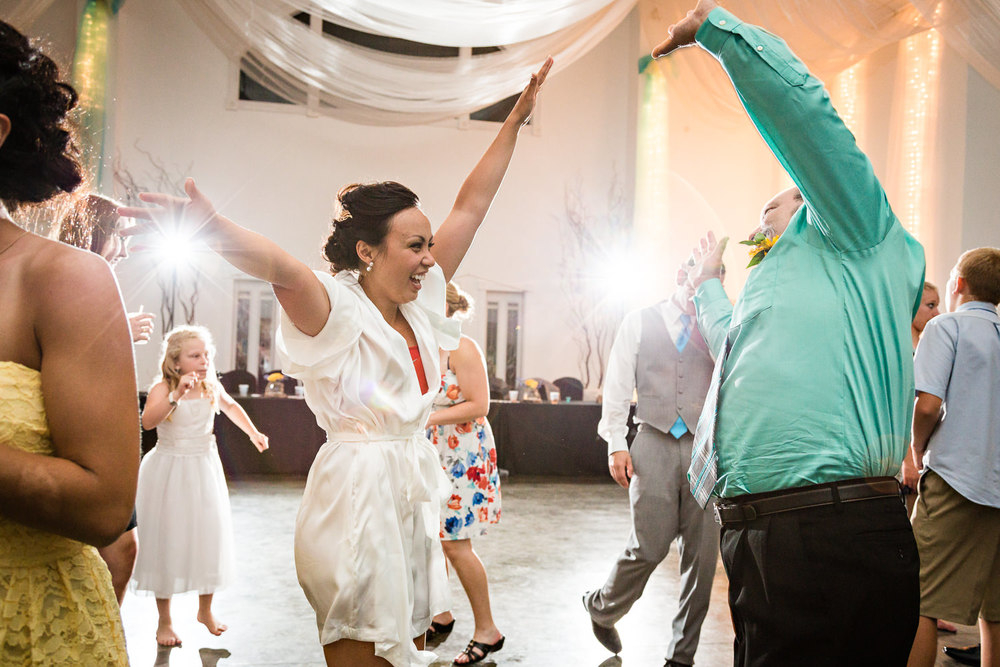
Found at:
[170, 355]
[981, 269]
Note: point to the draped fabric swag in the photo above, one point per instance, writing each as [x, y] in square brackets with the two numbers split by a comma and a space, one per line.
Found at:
[369, 86]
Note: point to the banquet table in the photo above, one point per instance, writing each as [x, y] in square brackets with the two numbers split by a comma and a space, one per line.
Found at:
[557, 439]
[532, 438]
[293, 435]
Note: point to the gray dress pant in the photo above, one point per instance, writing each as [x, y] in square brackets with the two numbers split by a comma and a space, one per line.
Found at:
[663, 509]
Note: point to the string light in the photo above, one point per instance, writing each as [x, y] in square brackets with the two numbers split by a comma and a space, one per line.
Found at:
[921, 59]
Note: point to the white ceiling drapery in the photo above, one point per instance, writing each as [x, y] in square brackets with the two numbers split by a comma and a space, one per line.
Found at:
[451, 23]
[369, 86]
[373, 87]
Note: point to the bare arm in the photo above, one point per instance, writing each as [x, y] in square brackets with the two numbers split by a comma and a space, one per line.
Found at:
[239, 416]
[455, 235]
[86, 491]
[158, 406]
[926, 416]
[470, 369]
[295, 285]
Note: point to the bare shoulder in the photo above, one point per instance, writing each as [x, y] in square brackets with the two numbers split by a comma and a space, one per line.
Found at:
[58, 270]
[467, 351]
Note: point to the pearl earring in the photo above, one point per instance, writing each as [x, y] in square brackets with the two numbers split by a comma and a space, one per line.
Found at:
[370, 265]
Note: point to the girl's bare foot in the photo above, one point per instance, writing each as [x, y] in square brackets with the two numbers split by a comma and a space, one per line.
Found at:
[165, 635]
[207, 618]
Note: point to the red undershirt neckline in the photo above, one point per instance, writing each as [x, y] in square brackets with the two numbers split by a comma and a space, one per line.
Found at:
[418, 366]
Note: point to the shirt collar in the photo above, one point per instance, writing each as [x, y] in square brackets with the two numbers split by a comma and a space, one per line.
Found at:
[977, 305]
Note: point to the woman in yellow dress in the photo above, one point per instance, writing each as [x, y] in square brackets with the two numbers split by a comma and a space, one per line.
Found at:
[69, 427]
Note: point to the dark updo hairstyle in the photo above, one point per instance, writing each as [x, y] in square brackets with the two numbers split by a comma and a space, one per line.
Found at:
[39, 157]
[366, 212]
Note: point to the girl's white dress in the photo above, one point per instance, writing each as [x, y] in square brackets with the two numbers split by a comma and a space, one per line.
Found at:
[366, 539]
[182, 507]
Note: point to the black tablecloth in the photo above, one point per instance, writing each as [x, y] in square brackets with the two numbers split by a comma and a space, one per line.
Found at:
[549, 439]
[532, 438]
[294, 438]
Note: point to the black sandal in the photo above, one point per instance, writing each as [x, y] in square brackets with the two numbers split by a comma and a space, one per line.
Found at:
[484, 650]
[438, 632]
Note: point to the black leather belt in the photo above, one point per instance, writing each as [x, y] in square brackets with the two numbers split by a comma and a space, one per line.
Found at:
[755, 505]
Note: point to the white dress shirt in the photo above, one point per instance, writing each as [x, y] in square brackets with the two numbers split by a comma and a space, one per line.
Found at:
[619, 379]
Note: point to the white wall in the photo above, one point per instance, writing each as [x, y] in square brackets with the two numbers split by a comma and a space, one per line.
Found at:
[278, 172]
[981, 206]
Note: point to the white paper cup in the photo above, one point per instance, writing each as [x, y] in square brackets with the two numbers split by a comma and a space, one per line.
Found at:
[300, 391]
[512, 395]
[553, 396]
[244, 389]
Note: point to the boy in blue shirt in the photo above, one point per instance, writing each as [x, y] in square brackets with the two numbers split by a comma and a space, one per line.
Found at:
[956, 440]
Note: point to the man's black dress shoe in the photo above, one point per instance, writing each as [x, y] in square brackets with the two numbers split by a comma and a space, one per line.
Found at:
[674, 663]
[607, 636]
[967, 655]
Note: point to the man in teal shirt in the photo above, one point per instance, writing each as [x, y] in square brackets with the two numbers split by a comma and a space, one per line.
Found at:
[811, 416]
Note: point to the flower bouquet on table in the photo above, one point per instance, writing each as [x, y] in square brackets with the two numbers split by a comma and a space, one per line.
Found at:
[275, 385]
[530, 393]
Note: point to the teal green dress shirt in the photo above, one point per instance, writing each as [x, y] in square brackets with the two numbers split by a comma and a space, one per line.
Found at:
[818, 383]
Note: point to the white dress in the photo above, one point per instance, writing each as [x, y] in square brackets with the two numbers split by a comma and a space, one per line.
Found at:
[182, 506]
[367, 552]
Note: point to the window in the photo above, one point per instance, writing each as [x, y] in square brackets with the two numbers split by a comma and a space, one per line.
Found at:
[252, 89]
[503, 335]
[256, 324]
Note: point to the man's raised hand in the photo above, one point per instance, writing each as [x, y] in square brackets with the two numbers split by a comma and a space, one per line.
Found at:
[682, 33]
[707, 257]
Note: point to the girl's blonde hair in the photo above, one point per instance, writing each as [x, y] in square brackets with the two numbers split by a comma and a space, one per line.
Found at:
[458, 303]
[170, 354]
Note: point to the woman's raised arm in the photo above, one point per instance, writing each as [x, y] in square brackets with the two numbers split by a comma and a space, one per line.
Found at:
[296, 287]
[455, 235]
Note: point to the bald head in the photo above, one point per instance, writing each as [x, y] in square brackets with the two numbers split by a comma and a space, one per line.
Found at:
[778, 212]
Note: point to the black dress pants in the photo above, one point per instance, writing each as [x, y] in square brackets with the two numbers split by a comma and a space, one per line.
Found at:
[833, 585]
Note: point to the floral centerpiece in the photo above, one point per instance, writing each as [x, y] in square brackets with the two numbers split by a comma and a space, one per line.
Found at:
[531, 391]
[275, 385]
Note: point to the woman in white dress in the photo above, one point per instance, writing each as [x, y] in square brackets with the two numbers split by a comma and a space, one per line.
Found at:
[365, 344]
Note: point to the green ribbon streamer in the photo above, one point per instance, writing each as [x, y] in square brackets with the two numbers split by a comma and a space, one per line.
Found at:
[90, 75]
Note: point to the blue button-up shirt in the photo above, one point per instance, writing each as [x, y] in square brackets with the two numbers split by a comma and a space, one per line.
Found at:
[958, 360]
[818, 384]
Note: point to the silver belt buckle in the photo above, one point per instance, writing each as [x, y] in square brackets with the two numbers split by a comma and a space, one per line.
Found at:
[718, 516]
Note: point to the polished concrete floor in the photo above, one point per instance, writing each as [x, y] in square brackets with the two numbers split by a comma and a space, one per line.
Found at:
[557, 539]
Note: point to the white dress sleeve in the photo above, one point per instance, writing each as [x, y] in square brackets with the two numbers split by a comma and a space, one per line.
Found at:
[303, 356]
[431, 300]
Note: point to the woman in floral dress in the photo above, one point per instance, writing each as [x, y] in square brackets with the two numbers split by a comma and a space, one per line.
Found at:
[459, 430]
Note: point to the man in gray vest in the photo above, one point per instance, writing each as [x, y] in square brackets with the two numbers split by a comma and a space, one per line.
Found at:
[659, 354]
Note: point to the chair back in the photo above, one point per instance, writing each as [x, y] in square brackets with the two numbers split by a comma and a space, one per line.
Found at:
[569, 388]
[498, 389]
[231, 381]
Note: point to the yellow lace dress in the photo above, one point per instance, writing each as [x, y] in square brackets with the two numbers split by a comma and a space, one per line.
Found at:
[57, 606]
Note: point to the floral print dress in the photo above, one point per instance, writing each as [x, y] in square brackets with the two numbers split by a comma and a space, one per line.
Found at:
[469, 458]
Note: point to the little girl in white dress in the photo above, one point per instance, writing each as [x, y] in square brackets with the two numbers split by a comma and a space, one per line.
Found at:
[182, 500]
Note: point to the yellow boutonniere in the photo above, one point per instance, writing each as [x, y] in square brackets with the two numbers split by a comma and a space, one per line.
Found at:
[275, 377]
[531, 383]
[760, 245]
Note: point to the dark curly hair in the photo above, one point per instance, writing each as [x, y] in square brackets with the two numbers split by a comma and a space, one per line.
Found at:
[39, 157]
[366, 212]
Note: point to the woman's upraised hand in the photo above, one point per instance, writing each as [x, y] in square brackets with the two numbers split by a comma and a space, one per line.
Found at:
[192, 217]
[525, 104]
